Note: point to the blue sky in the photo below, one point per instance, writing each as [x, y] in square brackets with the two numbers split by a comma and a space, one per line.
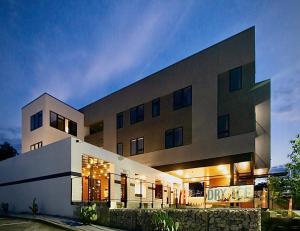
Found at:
[81, 51]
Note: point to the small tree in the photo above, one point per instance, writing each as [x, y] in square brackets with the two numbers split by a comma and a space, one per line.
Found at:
[294, 168]
[34, 208]
[7, 151]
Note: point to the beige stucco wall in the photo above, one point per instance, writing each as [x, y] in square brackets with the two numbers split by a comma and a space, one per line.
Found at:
[47, 134]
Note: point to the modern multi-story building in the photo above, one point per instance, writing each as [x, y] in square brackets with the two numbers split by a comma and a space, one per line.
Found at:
[203, 120]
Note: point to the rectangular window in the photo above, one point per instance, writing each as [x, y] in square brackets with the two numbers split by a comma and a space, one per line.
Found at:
[36, 146]
[223, 126]
[120, 120]
[61, 123]
[36, 120]
[96, 127]
[72, 128]
[137, 114]
[174, 138]
[120, 149]
[155, 107]
[137, 146]
[158, 191]
[235, 79]
[182, 98]
[196, 189]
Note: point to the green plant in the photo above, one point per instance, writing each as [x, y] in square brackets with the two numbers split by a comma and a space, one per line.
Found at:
[34, 208]
[4, 207]
[161, 221]
[88, 214]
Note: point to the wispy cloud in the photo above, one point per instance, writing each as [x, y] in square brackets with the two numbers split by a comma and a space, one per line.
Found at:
[117, 50]
[286, 97]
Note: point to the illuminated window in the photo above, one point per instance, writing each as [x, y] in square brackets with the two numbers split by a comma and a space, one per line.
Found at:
[36, 146]
[235, 79]
[36, 121]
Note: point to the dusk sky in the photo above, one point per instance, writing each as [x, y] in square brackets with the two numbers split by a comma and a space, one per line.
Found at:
[80, 51]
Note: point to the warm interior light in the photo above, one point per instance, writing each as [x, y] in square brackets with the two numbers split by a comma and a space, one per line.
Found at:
[179, 172]
[88, 166]
[187, 176]
[193, 179]
[91, 161]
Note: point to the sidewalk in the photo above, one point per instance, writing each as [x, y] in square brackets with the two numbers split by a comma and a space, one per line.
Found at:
[65, 223]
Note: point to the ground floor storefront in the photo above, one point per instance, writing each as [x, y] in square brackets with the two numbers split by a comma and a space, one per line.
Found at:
[69, 173]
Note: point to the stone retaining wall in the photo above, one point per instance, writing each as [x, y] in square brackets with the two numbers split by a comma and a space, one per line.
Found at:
[189, 219]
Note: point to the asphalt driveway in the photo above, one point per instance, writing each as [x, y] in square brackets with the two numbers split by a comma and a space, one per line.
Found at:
[12, 224]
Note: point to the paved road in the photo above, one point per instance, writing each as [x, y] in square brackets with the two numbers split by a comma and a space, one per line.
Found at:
[9, 224]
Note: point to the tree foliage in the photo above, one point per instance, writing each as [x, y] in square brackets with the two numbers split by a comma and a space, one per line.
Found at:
[294, 167]
[7, 151]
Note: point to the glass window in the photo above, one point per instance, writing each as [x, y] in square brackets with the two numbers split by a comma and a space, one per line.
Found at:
[97, 127]
[61, 123]
[174, 137]
[120, 120]
[137, 146]
[223, 126]
[182, 98]
[155, 107]
[36, 121]
[235, 79]
[196, 189]
[120, 148]
[36, 146]
[72, 128]
[137, 114]
[133, 147]
[53, 119]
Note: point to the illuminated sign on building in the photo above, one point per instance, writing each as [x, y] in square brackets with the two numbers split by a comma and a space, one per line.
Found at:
[243, 193]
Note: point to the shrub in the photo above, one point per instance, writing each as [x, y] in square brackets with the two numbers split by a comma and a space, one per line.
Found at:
[161, 221]
[4, 207]
[34, 208]
[88, 214]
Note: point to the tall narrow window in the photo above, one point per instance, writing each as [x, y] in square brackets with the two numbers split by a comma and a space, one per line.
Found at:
[137, 114]
[174, 138]
[72, 128]
[120, 120]
[182, 98]
[120, 148]
[223, 126]
[155, 107]
[235, 79]
[137, 146]
[36, 146]
[36, 120]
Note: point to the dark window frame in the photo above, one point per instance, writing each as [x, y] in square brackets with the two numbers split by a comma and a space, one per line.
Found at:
[156, 103]
[231, 86]
[223, 133]
[138, 151]
[180, 99]
[96, 127]
[135, 115]
[120, 120]
[172, 132]
[121, 148]
[63, 119]
[36, 120]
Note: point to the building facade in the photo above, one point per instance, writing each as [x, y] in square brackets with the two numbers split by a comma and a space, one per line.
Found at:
[204, 120]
